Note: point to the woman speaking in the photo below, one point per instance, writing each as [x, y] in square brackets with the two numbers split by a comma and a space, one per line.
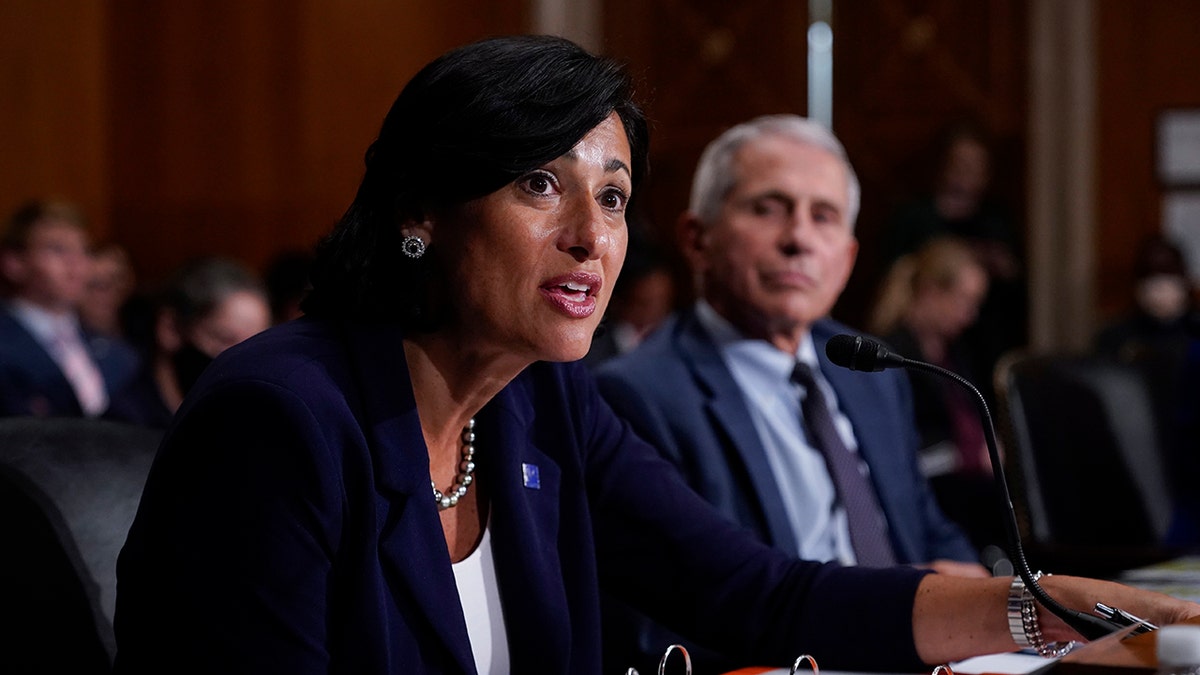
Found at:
[411, 479]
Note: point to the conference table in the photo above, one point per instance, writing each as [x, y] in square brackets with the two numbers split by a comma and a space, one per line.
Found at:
[1116, 654]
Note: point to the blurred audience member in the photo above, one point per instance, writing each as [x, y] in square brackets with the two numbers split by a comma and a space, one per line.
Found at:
[208, 306]
[960, 206]
[287, 283]
[643, 297]
[1160, 335]
[1163, 318]
[50, 364]
[927, 301]
[109, 286]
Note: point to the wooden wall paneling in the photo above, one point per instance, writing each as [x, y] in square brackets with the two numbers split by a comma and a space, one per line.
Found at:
[53, 105]
[704, 66]
[240, 127]
[903, 71]
[356, 56]
[1146, 64]
[204, 98]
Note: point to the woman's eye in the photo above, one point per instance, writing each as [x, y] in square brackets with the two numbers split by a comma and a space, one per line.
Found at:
[538, 184]
[614, 200]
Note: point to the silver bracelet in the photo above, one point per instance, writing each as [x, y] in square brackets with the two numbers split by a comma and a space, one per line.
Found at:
[1023, 624]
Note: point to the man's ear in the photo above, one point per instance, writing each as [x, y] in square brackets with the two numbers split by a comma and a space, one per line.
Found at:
[851, 256]
[693, 239]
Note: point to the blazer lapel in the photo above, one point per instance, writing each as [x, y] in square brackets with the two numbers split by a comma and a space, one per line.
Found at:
[408, 518]
[727, 408]
[524, 483]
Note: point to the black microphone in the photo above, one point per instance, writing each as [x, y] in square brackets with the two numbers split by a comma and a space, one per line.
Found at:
[857, 352]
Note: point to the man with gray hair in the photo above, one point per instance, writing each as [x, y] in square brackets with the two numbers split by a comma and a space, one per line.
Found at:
[737, 392]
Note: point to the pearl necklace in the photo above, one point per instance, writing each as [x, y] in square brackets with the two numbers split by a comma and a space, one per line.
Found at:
[465, 468]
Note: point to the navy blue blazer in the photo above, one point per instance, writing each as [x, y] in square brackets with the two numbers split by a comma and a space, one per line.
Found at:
[678, 394]
[31, 383]
[288, 526]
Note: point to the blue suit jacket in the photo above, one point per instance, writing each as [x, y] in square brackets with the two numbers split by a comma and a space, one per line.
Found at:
[31, 383]
[678, 394]
[288, 526]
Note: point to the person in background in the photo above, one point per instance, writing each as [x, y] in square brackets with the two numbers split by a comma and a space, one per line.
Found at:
[415, 477]
[208, 306]
[1163, 318]
[961, 205]
[769, 235]
[643, 297]
[109, 287]
[50, 364]
[1160, 335]
[926, 302]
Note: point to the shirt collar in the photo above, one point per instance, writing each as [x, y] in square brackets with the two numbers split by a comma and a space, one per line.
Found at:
[758, 354]
[44, 325]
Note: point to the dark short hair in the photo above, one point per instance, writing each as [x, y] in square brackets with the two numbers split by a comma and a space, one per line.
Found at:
[470, 122]
[27, 216]
[198, 288]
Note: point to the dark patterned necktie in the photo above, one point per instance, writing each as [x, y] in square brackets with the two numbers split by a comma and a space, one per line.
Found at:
[868, 530]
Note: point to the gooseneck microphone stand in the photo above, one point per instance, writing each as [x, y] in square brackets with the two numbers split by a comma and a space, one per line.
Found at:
[860, 353]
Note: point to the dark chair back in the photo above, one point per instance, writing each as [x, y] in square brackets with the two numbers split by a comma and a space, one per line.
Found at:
[86, 477]
[1087, 452]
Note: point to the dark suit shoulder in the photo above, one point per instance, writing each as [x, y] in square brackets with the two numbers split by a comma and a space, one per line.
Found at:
[304, 350]
[658, 359]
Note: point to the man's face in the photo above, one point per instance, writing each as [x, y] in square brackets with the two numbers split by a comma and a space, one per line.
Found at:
[53, 269]
[781, 249]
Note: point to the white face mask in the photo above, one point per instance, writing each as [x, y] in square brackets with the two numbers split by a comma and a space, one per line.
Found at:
[1163, 296]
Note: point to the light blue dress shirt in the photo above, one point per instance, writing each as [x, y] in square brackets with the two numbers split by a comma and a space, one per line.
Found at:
[764, 375]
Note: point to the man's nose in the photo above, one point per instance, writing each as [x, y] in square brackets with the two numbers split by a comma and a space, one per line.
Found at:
[798, 229]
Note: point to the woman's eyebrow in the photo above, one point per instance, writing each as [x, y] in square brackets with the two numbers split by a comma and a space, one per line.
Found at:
[615, 164]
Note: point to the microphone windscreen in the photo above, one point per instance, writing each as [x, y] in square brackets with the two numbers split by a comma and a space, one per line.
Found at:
[860, 353]
[843, 350]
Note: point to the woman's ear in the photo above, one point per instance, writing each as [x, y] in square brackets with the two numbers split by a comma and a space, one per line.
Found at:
[420, 226]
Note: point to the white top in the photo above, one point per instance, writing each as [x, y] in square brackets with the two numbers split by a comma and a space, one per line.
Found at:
[806, 489]
[480, 595]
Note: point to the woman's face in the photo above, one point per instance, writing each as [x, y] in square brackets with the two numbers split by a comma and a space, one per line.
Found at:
[955, 308]
[532, 265]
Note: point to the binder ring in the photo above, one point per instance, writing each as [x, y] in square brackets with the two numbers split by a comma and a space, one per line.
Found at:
[812, 664]
[942, 670]
[687, 660]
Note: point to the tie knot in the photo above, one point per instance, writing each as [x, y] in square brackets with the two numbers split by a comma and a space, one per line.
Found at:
[802, 375]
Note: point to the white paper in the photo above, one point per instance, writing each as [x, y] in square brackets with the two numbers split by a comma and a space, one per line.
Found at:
[1013, 663]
